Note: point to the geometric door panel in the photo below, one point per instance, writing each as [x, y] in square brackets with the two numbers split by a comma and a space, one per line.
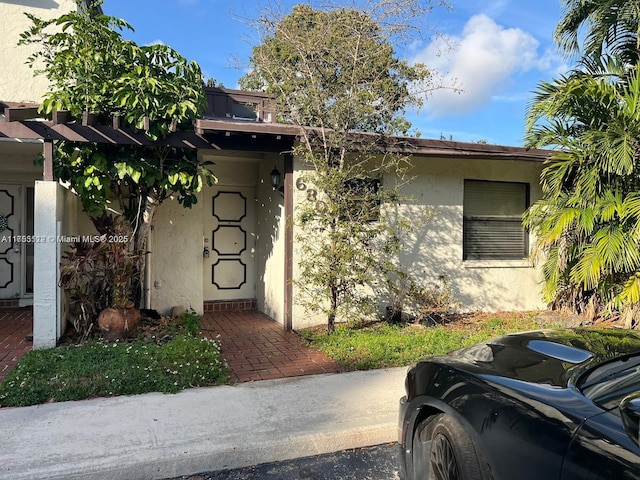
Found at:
[229, 206]
[229, 237]
[229, 274]
[10, 256]
[229, 240]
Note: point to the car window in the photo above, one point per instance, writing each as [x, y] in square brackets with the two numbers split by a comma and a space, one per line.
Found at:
[608, 383]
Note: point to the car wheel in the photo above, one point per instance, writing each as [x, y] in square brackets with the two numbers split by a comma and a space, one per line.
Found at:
[449, 454]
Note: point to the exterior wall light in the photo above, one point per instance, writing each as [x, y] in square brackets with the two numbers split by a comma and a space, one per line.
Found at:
[275, 178]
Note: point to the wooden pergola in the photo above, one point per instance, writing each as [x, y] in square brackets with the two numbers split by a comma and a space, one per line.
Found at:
[22, 122]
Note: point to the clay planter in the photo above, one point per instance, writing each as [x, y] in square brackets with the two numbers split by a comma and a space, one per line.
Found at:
[118, 323]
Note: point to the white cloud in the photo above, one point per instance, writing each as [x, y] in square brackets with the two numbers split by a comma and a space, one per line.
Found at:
[483, 59]
[155, 42]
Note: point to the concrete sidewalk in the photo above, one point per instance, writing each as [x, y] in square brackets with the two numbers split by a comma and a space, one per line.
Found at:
[160, 436]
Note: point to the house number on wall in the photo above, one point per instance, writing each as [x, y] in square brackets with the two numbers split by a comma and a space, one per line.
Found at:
[312, 194]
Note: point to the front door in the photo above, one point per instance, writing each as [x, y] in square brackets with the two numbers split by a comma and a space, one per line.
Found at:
[229, 241]
[10, 242]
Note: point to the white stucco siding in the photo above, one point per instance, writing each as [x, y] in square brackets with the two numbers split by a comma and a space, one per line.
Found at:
[178, 269]
[271, 225]
[437, 251]
[301, 317]
[49, 200]
[16, 161]
[18, 81]
[176, 257]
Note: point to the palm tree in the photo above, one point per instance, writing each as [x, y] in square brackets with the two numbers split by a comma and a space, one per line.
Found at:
[588, 221]
[610, 27]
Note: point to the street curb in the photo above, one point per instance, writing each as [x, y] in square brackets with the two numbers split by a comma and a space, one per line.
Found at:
[156, 436]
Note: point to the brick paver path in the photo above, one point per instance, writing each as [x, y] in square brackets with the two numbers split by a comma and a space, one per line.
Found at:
[15, 326]
[257, 348]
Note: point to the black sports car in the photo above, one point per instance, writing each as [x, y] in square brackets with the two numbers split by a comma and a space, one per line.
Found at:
[561, 404]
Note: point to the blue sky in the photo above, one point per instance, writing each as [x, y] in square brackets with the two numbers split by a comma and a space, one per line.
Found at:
[501, 50]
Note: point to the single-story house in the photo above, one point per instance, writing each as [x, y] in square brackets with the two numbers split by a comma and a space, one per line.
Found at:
[235, 248]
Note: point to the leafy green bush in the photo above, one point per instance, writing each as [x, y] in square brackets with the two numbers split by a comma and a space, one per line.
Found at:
[191, 321]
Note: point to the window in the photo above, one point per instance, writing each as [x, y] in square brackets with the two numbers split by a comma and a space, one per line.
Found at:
[245, 111]
[493, 220]
[363, 199]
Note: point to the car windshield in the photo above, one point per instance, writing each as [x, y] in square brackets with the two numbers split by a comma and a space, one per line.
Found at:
[608, 383]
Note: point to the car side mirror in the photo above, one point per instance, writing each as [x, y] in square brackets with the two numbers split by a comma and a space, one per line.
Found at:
[630, 410]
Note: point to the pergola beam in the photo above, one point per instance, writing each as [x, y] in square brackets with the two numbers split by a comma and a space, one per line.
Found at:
[16, 114]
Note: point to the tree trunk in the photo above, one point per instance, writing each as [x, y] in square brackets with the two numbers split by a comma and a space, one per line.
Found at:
[331, 320]
[151, 202]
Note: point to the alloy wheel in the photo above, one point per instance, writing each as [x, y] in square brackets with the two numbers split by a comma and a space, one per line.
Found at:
[443, 461]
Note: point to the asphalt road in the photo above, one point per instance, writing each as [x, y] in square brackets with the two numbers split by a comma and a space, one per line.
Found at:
[370, 463]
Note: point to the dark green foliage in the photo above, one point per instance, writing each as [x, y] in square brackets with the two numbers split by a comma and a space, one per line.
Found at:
[588, 222]
[190, 321]
[93, 69]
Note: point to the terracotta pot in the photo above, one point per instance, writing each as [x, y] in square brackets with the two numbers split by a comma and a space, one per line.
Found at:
[118, 323]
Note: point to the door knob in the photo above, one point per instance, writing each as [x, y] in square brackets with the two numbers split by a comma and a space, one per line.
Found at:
[16, 249]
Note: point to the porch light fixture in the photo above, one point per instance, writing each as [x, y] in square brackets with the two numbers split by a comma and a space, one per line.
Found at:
[276, 178]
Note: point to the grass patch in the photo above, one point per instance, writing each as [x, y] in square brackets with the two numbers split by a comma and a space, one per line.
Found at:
[104, 369]
[383, 345]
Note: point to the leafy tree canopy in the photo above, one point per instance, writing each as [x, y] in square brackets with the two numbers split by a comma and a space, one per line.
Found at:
[588, 222]
[336, 75]
[592, 28]
[335, 69]
[92, 68]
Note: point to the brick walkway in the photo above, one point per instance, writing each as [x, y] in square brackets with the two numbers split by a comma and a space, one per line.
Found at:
[15, 325]
[256, 347]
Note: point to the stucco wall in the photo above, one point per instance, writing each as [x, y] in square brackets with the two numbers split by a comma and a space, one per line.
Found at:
[271, 226]
[48, 209]
[16, 161]
[435, 249]
[176, 257]
[177, 241]
[18, 82]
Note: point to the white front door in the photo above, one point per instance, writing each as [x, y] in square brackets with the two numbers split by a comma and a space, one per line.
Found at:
[10, 241]
[229, 241]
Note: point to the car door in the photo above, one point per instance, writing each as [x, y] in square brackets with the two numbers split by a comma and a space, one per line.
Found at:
[602, 450]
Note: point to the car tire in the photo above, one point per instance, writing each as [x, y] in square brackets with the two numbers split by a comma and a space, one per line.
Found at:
[447, 453]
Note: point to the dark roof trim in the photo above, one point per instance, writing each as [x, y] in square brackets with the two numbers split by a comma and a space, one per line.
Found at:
[202, 125]
[446, 148]
[408, 145]
[230, 134]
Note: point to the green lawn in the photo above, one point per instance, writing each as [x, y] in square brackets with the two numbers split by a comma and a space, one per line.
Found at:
[383, 345]
[100, 368]
[104, 369]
